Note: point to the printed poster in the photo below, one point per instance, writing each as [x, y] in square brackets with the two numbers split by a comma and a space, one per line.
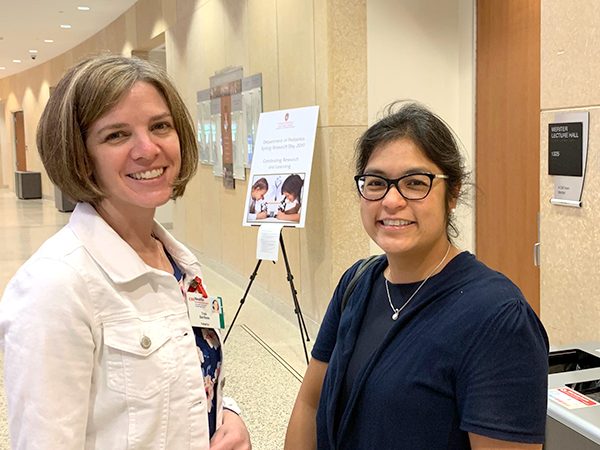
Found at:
[281, 165]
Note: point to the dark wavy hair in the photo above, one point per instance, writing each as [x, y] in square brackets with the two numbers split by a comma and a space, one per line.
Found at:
[293, 185]
[431, 134]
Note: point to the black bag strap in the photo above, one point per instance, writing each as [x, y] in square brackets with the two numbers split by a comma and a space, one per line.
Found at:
[362, 267]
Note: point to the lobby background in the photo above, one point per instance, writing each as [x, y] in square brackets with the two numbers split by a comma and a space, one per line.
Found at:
[350, 57]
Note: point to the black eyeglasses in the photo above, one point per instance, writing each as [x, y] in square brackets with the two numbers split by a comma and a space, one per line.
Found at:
[413, 186]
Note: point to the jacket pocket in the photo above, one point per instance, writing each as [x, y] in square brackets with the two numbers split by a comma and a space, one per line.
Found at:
[139, 356]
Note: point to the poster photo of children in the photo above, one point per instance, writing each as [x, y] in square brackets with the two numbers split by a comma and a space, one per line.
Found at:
[275, 198]
[279, 181]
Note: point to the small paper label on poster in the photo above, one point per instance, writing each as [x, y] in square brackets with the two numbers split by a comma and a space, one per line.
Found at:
[267, 242]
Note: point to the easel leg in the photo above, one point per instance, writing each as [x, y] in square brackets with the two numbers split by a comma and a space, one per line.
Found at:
[297, 310]
[243, 300]
[301, 324]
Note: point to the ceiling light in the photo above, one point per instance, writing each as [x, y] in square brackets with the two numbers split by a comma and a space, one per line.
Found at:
[2, 68]
[65, 26]
[83, 8]
[33, 51]
[16, 60]
[49, 41]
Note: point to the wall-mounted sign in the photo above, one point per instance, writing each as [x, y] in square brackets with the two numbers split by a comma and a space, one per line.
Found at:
[225, 93]
[565, 142]
[227, 119]
[252, 107]
[567, 155]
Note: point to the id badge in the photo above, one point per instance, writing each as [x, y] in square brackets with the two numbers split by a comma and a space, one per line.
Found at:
[205, 312]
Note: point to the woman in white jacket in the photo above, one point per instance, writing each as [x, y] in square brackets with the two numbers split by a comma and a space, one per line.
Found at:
[99, 351]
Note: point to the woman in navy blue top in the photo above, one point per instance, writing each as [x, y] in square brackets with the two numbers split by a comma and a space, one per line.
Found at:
[430, 349]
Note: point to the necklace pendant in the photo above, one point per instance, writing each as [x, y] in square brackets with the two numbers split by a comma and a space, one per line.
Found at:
[395, 315]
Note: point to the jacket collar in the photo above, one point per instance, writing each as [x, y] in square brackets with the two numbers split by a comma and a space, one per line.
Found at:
[116, 258]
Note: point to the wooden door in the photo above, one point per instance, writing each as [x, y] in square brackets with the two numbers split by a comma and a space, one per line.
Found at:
[508, 139]
[20, 156]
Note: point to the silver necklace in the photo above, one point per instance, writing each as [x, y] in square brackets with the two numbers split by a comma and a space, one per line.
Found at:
[397, 311]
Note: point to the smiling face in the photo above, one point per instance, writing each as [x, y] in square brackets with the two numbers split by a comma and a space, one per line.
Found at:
[414, 230]
[136, 152]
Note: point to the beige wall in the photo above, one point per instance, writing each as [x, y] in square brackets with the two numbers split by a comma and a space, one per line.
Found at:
[309, 52]
[4, 144]
[29, 91]
[570, 237]
[315, 52]
[425, 51]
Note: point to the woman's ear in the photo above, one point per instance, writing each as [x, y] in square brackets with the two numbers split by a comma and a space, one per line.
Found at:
[454, 196]
[452, 205]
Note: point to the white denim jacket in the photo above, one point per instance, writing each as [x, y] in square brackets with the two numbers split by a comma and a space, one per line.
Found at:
[98, 349]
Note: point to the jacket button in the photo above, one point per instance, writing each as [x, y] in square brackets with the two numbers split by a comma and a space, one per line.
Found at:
[145, 342]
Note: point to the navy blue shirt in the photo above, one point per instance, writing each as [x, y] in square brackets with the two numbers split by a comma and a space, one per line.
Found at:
[467, 354]
[376, 323]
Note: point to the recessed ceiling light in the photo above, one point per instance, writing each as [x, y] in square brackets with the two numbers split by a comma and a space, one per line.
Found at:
[83, 8]
[33, 51]
[16, 60]
[49, 41]
[2, 68]
[65, 26]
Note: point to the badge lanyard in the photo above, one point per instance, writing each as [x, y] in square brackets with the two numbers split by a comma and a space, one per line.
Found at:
[204, 310]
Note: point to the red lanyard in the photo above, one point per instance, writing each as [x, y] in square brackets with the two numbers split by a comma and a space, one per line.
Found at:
[196, 286]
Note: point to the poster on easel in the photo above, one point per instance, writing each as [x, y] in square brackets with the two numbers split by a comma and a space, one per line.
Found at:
[281, 166]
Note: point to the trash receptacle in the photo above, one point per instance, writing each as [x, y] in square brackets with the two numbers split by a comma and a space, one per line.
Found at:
[573, 420]
[28, 184]
[62, 202]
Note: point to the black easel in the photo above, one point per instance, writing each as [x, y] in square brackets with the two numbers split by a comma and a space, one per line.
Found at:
[301, 325]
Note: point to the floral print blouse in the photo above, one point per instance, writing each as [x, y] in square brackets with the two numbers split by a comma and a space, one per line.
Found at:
[209, 352]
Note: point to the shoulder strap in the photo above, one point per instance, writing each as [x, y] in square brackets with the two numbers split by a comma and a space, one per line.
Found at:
[362, 267]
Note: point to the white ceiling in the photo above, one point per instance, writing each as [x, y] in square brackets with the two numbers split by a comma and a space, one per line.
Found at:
[25, 24]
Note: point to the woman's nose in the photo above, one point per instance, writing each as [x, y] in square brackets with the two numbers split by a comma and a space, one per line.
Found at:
[144, 146]
[393, 198]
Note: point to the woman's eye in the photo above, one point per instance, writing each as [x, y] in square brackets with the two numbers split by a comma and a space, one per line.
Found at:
[375, 182]
[162, 126]
[417, 182]
[115, 135]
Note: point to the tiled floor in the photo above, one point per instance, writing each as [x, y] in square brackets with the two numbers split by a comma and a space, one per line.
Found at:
[265, 363]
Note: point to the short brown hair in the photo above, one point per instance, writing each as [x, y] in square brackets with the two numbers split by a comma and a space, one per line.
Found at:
[86, 92]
